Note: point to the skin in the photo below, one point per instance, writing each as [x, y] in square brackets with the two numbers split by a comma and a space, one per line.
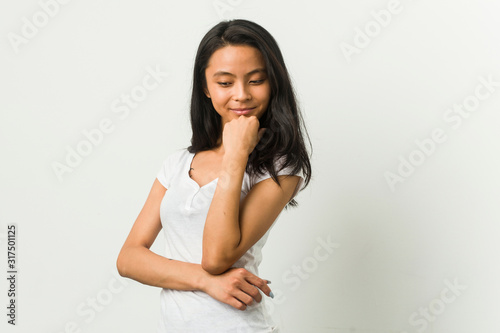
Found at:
[236, 80]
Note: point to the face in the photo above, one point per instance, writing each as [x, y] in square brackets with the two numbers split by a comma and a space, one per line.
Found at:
[237, 82]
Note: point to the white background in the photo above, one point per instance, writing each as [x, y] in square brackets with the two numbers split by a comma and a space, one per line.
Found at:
[397, 248]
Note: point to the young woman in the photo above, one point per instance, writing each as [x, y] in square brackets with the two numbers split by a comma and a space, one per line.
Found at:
[217, 199]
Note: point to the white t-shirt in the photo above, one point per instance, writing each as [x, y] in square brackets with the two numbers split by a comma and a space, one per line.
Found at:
[183, 212]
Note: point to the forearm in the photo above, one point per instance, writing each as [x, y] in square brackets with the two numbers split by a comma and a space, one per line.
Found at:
[141, 264]
[222, 234]
[237, 288]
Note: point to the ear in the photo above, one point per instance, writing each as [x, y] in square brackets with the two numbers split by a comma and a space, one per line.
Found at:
[205, 90]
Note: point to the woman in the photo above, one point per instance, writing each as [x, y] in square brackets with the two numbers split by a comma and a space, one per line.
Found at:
[217, 199]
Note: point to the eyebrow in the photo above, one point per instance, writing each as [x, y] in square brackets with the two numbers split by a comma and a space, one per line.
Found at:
[257, 70]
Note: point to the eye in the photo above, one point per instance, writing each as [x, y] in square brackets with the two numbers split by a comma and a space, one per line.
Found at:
[224, 84]
[257, 81]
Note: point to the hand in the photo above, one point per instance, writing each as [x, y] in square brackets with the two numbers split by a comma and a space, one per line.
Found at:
[241, 135]
[236, 287]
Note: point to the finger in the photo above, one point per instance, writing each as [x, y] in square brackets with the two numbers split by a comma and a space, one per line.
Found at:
[244, 297]
[250, 284]
[252, 291]
[259, 283]
[237, 304]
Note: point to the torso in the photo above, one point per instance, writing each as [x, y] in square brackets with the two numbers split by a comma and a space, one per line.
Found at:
[183, 212]
[205, 166]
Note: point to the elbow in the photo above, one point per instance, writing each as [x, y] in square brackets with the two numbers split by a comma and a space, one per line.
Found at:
[215, 266]
[217, 260]
[121, 264]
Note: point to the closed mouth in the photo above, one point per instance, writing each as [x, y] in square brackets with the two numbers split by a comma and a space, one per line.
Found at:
[241, 112]
[243, 109]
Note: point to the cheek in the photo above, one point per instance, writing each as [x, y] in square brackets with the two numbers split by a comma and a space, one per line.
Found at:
[265, 94]
[219, 96]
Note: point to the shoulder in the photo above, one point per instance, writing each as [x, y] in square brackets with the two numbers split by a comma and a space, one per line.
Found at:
[171, 164]
[281, 170]
[177, 156]
[291, 181]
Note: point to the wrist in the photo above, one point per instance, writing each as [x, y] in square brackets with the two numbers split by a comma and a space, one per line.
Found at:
[203, 280]
[234, 161]
[233, 169]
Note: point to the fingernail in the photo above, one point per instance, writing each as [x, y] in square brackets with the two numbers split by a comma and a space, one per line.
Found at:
[271, 294]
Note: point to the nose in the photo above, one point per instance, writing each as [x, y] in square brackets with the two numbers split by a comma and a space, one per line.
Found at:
[241, 92]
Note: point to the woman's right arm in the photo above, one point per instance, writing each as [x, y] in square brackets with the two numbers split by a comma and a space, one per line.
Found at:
[138, 262]
[236, 287]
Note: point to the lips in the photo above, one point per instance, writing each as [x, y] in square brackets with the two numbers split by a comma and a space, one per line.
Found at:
[242, 111]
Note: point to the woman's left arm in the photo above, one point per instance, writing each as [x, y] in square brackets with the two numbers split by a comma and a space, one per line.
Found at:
[231, 229]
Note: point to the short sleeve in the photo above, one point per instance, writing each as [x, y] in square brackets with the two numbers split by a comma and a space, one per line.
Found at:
[163, 174]
[166, 171]
[283, 172]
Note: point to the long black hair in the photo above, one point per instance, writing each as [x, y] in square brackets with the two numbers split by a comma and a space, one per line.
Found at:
[283, 121]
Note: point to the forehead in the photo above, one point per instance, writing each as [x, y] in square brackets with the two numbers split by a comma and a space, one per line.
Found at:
[236, 59]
